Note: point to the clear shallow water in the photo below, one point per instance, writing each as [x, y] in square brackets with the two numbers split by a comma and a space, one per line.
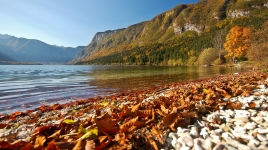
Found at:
[24, 87]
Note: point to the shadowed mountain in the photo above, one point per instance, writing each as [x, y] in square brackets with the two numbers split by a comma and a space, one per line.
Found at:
[30, 50]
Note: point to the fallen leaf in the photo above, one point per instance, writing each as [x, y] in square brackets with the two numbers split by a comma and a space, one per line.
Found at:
[232, 105]
[136, 108]
[40, 140]
[170, 119]
[252, 105]
[90, 134]
[80, 145]
[69, 121]
[45, 130]
[107, 125]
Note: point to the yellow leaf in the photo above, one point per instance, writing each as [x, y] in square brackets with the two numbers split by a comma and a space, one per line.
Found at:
[91, 134]
[82, 130]
[104, 103]
[69, 121]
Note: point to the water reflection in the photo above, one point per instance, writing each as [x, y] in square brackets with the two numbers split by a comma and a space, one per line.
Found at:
[123, 78]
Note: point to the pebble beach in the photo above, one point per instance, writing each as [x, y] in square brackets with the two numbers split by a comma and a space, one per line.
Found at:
[224, 112]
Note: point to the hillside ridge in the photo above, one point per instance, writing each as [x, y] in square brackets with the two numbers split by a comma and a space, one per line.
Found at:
[205, 18]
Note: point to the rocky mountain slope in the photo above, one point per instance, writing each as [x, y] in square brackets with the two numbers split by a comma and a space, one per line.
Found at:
[174, 30]
[30, 50]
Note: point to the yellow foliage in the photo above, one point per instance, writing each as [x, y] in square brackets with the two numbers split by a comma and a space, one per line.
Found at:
[237, 41]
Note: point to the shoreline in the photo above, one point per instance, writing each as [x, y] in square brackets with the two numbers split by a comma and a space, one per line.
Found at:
[161, 117]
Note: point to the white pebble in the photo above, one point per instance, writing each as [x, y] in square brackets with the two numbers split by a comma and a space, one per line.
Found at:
[243, 147]
[187, 139]
[250, 125]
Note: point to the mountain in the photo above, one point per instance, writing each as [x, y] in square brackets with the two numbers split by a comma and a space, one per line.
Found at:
[178, 35]
[30, 50]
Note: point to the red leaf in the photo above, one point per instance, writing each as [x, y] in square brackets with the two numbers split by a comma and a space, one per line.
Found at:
[45, 130]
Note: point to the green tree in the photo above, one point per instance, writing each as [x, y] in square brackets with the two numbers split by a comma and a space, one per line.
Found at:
[207, 56]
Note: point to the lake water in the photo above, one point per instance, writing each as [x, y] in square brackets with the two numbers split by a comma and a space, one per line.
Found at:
[24, 87]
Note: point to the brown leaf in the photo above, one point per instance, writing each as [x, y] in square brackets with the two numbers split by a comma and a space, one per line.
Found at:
[130, 123]
[45, 130]
[125, 113]
[107, 125]
[63, 145]
[152, 142]
[145, 113]
[170, 119]
[182, 122]
[54, 135]
[189, 115]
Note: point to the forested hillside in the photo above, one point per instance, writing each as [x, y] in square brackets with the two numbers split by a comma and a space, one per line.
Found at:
[183, 35]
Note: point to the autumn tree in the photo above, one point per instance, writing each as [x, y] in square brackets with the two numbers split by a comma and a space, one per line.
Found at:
[237, 42]
[259, 47]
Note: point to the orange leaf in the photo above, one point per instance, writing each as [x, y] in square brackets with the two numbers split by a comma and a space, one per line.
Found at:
[136, 107]
[252, 105]
[52, 146]
[40, 140]
[232, 105]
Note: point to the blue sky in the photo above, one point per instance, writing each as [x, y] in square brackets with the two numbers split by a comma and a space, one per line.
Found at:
[75, 22]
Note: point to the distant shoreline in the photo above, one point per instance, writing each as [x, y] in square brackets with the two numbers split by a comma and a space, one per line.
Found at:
[18, 63]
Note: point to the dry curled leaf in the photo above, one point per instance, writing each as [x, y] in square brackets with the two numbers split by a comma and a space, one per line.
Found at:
[80, 145]
[45, 130]
[163, 109]
[170, 119]
[136, 108]
[151, 141]
[107, 125]
[130, 123]
[40, 140]
[233, 105]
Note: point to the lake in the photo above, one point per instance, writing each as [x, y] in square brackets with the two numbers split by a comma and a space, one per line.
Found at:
[24, 87]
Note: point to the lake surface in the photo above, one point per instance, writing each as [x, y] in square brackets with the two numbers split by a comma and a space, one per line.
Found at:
[24, 87]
